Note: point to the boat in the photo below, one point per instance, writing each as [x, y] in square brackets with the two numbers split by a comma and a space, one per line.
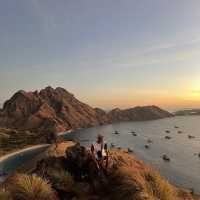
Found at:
[168, 137]
[167, 131]
[150, 141]
[134, 134]
[191, 136]
[130, 150]
[166, 158]
[116, 132]
[179, 132]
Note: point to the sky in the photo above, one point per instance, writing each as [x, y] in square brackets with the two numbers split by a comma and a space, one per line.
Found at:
[108, 53]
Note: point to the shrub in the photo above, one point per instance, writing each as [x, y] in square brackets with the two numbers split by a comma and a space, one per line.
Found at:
[25, 187]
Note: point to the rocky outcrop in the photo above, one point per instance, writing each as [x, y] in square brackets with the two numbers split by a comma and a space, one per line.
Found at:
[49, 109]
[138, 114]
[58, 110]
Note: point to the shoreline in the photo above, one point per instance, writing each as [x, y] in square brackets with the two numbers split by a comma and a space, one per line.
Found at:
[65, 132]
[6, 156]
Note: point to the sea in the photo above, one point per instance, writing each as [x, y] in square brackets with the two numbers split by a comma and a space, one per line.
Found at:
[183, 169]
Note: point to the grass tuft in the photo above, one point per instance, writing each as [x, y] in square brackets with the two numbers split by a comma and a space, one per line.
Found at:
[25, 187]
[125, 184]
[159, 187]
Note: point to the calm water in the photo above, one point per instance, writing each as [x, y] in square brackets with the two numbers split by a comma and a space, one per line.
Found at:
[184, 167]
[13, 162]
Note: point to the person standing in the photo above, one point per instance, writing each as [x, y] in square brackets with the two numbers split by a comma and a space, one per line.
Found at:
[100, 150]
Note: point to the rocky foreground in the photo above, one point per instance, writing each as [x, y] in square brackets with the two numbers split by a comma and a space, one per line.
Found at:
[58, 110]
[69, 172]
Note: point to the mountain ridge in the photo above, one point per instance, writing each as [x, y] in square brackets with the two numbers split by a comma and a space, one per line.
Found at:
[58, 110]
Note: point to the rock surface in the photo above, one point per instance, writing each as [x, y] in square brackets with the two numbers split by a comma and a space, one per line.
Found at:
[58, 110]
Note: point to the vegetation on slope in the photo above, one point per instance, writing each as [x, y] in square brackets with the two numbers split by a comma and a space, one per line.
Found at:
[76, 176]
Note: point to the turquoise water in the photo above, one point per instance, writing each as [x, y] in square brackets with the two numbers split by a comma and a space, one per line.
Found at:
[184, 167]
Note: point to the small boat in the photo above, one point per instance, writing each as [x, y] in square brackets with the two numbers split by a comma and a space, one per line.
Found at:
[179, 132]
[149, 141]
[168, 137]
[166, 158]
[134, 134]
[116, 132]
[167, 131]
[130, 150]
[191, 136]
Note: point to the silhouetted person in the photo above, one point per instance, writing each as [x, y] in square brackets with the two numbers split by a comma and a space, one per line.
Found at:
[100, 151]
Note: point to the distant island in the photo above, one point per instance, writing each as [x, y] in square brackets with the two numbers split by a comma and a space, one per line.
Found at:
[187, 112]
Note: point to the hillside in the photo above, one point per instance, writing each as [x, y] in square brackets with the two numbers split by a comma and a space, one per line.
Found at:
[71, 173]
[58, 110]
[138, 114]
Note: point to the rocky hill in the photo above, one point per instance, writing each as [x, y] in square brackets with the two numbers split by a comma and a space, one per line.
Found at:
[187, 112]
[58, 110]
[138, 114]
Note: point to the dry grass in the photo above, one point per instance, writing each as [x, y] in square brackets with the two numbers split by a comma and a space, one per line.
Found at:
[127, 178]
[63, 180]
[125, 184]
[25, 187]
[132, 180]
[158, 187]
